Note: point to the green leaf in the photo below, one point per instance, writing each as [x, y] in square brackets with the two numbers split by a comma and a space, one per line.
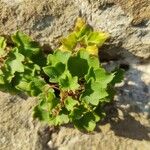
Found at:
[70, 103]
[23, 85]
[78, 112]
[1, 78]
[54, 72]
[58, 57]
[48, 100]
[83, 33]
[36, 86]
[118, 76]
[78, 66]
[62, 119]
[94, 93]
[15, 61]
[28, 46]
[87, 121]
[90, 75]
[93, 62]
[41, 114]
[103, 77]
[67, 82]
[2, 46]
[90, 126]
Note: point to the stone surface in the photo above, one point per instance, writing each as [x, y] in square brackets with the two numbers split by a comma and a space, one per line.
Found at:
[128, 133]
[18, 130]
[46, 20]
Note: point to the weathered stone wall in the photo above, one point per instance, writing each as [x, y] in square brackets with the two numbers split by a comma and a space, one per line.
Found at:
[128, 22]
[47, 20]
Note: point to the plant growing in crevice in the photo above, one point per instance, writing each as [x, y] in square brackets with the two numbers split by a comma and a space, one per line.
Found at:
[71, 84]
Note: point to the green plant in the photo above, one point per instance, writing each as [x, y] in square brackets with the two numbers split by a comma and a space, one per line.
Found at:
[71, 84]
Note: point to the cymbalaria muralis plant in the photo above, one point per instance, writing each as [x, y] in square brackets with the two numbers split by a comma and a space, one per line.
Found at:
[71, 85]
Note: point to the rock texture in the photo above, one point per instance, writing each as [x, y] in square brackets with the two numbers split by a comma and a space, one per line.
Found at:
[47, 20]
[18, 130]
[128, 23]
[127, 133]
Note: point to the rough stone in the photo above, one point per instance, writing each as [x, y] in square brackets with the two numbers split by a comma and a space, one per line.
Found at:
[46, 20]
[18, 130]
[130, 132]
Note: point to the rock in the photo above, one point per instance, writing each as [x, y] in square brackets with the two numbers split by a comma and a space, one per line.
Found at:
[47, 20]
[138, 8]
[127, 133]
[18, 130]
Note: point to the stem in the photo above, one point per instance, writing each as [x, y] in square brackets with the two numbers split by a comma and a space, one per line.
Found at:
[54, 86]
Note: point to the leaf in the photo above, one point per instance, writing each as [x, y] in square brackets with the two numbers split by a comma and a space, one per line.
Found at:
[28, 46]
[77, 113]
[23, 85]
[15, 61]
[118, 76]
[103, 77]
[83, 34]
[80, 23]
[69, 42]
[67, 82]
[97, 38]
[93, 62]
[41, 114]
[58, 57]
[36, 86]
[90, 126]
[78, 66]
[83, 54]
[70, 103]
[82, 30]
[62, 119]
[54, 72]
[1, 78]
[87, 121]
[93, 50]
[94, 93]
[48, 100]
[43, 111]
[90, 75]
[2, 46]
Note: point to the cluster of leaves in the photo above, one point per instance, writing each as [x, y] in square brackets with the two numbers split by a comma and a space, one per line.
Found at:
[70, 84]
[20, 66]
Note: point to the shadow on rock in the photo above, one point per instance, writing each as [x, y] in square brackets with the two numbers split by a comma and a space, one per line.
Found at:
[133, 96]
[129, 127]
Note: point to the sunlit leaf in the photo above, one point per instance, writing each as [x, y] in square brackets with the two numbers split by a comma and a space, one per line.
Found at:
[97, 38]
[93, 50]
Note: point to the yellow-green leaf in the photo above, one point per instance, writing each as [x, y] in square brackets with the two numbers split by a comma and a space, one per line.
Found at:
[97, 38]
[93, 50]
